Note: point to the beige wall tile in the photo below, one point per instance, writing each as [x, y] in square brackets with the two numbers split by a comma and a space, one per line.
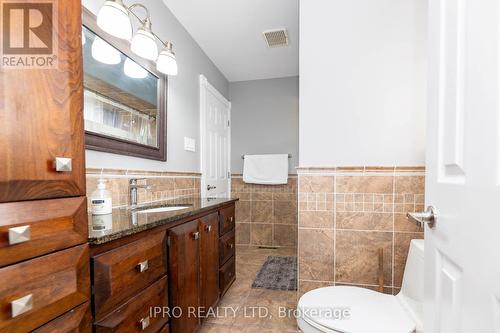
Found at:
[316, 184]
[242, 233]
[316, 254]
[357, 256]
[316, 219]
[285, 235]
[410, 184]
[262, 211]
[401, 247]
[285, 212]
[305, 286]
[401, 223]
[261, 234]
[364, 184]
[243, 211]
[364, 221]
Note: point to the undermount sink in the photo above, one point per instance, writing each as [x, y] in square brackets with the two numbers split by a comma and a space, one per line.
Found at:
[162, 209]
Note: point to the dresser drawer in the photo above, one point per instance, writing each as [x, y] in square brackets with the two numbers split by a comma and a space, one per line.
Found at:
[122, 272]
[226, 220]
[36, 291]
[136, 315]
[78, 320]
[227, 274]
[226, 247]
[165, 329]
[33, 228]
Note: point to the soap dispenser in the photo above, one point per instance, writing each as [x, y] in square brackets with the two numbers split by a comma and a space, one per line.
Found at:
[101, 202]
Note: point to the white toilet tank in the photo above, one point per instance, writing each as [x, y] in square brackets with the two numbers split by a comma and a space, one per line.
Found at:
[412, 291]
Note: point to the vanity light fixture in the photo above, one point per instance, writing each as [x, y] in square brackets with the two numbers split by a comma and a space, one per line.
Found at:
[133, 70]
[114, 18]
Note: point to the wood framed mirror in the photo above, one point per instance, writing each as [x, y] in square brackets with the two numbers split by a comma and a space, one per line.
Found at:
[125, 97]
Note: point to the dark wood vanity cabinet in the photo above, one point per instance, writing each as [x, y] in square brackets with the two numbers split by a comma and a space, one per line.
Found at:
[175, 267]
[193, 270]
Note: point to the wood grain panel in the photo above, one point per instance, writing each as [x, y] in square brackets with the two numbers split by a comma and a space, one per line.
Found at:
[127, 318]
[226, 247]
[209, 261]
[183, 270]
[41, 118]
[227, 275]
[54, 225]
[78, 320]
[58, 282]
[116, 273]
[227, 220]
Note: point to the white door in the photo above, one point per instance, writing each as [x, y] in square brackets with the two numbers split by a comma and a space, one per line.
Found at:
[462, 251]
[215, 145]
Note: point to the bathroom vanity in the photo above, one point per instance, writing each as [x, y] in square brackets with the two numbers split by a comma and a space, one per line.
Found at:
[179, 260]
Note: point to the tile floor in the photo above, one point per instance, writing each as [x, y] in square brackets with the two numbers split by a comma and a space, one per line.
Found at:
[247, 302]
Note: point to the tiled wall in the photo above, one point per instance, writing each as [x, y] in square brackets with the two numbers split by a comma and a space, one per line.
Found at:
[346, 215]
[266, 215]
[164, 185]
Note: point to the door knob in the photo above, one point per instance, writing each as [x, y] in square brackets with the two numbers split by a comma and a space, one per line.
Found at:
[428, 217]
[196, 235]
[21, 305]
[210, 187]
[144, 323]
[142, 266]
[209, 228]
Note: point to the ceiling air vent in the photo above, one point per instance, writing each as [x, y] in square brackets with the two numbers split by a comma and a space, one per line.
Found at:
[277, 37]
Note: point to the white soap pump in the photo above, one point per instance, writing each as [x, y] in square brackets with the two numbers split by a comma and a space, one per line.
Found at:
[101, 199]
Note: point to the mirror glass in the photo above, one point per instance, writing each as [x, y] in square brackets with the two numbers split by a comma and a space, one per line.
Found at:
[120, 96]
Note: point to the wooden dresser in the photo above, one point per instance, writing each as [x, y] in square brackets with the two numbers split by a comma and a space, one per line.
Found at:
[44, 256]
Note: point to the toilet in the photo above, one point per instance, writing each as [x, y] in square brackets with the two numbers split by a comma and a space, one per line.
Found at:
[343, 309]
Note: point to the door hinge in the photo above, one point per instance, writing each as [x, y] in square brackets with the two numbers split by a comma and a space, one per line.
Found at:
[229, 174]
[228, 123]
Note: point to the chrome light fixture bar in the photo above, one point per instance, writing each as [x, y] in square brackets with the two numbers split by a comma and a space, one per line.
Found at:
[114, 18]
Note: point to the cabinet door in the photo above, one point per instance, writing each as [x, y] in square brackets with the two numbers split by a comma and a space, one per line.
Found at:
[183, 270]
[41, 116]
[209, 261]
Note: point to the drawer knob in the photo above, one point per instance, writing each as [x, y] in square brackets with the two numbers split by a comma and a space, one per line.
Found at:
[196, 235]
[21, 305]
[63, 164]
[144, 323]
[231, 245]
[209, 228]
[19, 234]
[231, 219]
[143, 266]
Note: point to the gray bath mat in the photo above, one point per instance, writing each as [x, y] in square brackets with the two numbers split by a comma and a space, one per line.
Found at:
[277, 273]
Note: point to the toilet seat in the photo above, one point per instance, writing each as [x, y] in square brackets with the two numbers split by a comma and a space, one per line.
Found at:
[370, 311]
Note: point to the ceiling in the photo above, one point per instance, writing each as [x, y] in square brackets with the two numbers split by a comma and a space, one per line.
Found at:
[230, 33]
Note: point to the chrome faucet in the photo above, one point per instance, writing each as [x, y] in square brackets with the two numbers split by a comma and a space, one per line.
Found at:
[133, 186]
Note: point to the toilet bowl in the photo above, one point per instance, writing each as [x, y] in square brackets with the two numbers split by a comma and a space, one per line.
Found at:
[345, 309]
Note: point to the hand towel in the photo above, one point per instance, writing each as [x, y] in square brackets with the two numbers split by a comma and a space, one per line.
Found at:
[268, 169]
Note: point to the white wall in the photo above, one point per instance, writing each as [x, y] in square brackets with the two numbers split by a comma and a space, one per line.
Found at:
[183, 96]
[362, 82]
[265, 119]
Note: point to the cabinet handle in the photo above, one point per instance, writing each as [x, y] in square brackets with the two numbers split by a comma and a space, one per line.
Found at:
[19, 234]
[196, 235]
[143, 266]
[209, 228]
[63, 164]
[21, 305]
[144, 323]
[231, 219]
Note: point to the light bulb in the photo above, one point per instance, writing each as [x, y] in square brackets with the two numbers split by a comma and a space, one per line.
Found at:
[105, 53]
[113, 18]
[133, 70]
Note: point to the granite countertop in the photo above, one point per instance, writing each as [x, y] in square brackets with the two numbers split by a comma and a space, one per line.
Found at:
[124, 221]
